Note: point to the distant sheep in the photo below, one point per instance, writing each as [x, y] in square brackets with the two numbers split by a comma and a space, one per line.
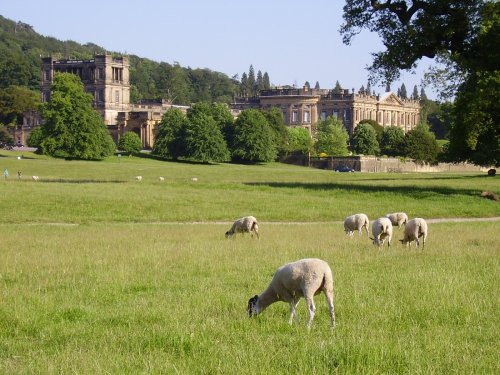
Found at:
[247, 224]
[161, 179]
[397, 218]
[415, 229]
[381, 230]
[35, 178]
[303, 278]
[138, 178]
[356, 222]
[490, 195]
[194, 179]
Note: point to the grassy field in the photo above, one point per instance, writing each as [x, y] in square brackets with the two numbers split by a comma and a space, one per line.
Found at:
[132, 286]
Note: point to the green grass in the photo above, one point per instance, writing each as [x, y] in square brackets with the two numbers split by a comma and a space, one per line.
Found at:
[136, 288]
[85, 192]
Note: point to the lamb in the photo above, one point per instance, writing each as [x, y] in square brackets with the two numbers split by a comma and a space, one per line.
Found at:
[303, 278]
[381, 229]
[35, 178]
[138, 178]
[415, 229]
[247, 224]
[356, 222]
[398, 218]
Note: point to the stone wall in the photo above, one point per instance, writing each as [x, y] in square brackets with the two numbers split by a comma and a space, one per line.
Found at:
[379, 164]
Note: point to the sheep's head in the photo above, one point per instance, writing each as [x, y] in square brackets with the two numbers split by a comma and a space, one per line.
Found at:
[228, 234]
[252, 308]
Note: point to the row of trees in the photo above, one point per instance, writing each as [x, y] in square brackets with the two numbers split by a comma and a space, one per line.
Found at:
[252, 85]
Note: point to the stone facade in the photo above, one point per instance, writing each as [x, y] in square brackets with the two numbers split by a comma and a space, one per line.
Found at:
[304, 107]
[106, 78]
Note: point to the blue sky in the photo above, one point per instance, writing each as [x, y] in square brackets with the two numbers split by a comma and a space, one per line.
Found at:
[293, 41]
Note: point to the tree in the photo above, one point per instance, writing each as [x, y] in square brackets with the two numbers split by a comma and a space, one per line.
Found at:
[402, 92]
[251, 81]
[316, 86]
[267, 82]
[462, 35]
[14, 100]
[244, 84]
[388, 87]
[421, 145]
[204, 139]
[331, 137]
[337, 89]
[130, 142]
[260, 82]
[414, 96]
[253, 138]
[5, 138]
[369, 88]
[364, 140]
[307, 85]
[393, 141]
[72, 128]
[274, 118]
[298, 141]
[379, 129]
[170, 140]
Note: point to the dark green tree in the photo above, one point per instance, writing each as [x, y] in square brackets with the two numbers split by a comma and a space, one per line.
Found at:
[379, 129]
[251, 81]
[415, 96]
[316, 86]
[337, 89]
[421, 145]
[170, 140]
[393, 141]
[259, 82]
[204, 140]
[402, 92]
[244, 84]
[364, 140]
[253, 138]
[274, 118]
[35, 137]
[267, 82]
[331, 137]
[14, 100]
[5, 138]
[72, 128]
[130, 142]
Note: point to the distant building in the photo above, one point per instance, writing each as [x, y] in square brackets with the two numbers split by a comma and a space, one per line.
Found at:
[304, 107]
[106, 78]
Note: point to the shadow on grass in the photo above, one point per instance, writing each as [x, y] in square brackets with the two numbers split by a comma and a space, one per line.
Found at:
[414, 191]
[81, 181]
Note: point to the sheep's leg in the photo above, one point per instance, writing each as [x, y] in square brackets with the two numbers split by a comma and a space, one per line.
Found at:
[366, 228]
[312, 310]
[331, 307]
[293, 311]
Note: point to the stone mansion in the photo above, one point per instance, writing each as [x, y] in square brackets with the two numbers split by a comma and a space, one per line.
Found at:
[106, 77]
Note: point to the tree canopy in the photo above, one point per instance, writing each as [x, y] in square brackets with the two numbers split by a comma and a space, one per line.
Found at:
[72, 128]
[393, 141]
[463, 36]
[130, 142]
[364, 140]
[331, 137]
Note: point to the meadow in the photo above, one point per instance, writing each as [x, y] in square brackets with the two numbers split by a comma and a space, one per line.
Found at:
[101, 274]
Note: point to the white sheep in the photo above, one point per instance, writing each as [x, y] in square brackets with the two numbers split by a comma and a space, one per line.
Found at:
[398, 218]
[381, 229]
[35, 178]
[247, 224]
[415, 229]
[194, 179]
[138, 178]
[303, 278]
[161, 179]
[356, 222]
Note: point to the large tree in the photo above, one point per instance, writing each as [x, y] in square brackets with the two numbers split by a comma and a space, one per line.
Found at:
[464, 35]
[253, 138]
[393, 141]
[14, 100]
[298, 141]
[72, 128]
[364, 140]
[170, 140]
[421, 145]
[331, 137]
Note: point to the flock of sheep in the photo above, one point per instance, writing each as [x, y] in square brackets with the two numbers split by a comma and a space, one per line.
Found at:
[309, 277]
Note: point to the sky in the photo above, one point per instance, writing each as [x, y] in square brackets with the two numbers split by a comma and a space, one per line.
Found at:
[293, 41]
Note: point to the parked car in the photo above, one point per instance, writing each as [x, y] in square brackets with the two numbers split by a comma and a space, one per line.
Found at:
[344, 168]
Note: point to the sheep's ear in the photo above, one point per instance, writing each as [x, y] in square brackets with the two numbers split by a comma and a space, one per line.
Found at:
[371, 238]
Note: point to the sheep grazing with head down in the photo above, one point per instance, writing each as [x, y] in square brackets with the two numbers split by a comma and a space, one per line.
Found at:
[415, 229]
[398, 218]
[381, 230]
[247, 224]
[303, 278]
[356, 222]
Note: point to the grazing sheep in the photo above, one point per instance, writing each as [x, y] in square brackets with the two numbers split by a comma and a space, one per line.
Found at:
[161, 179]
[381, 229]
[247, 224]
[356, 222]
[194, 179]
[303, 278]
[138, 178]
[490, 195]
[415, 229]
[35, 178]
[397, 218]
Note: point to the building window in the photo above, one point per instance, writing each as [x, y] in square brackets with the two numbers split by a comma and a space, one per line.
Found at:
[100, 73]
[117, 97]
[295, 116]
[323, 115]
[307, 116]
[335, 114]
[46, 76]
[284, 116]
